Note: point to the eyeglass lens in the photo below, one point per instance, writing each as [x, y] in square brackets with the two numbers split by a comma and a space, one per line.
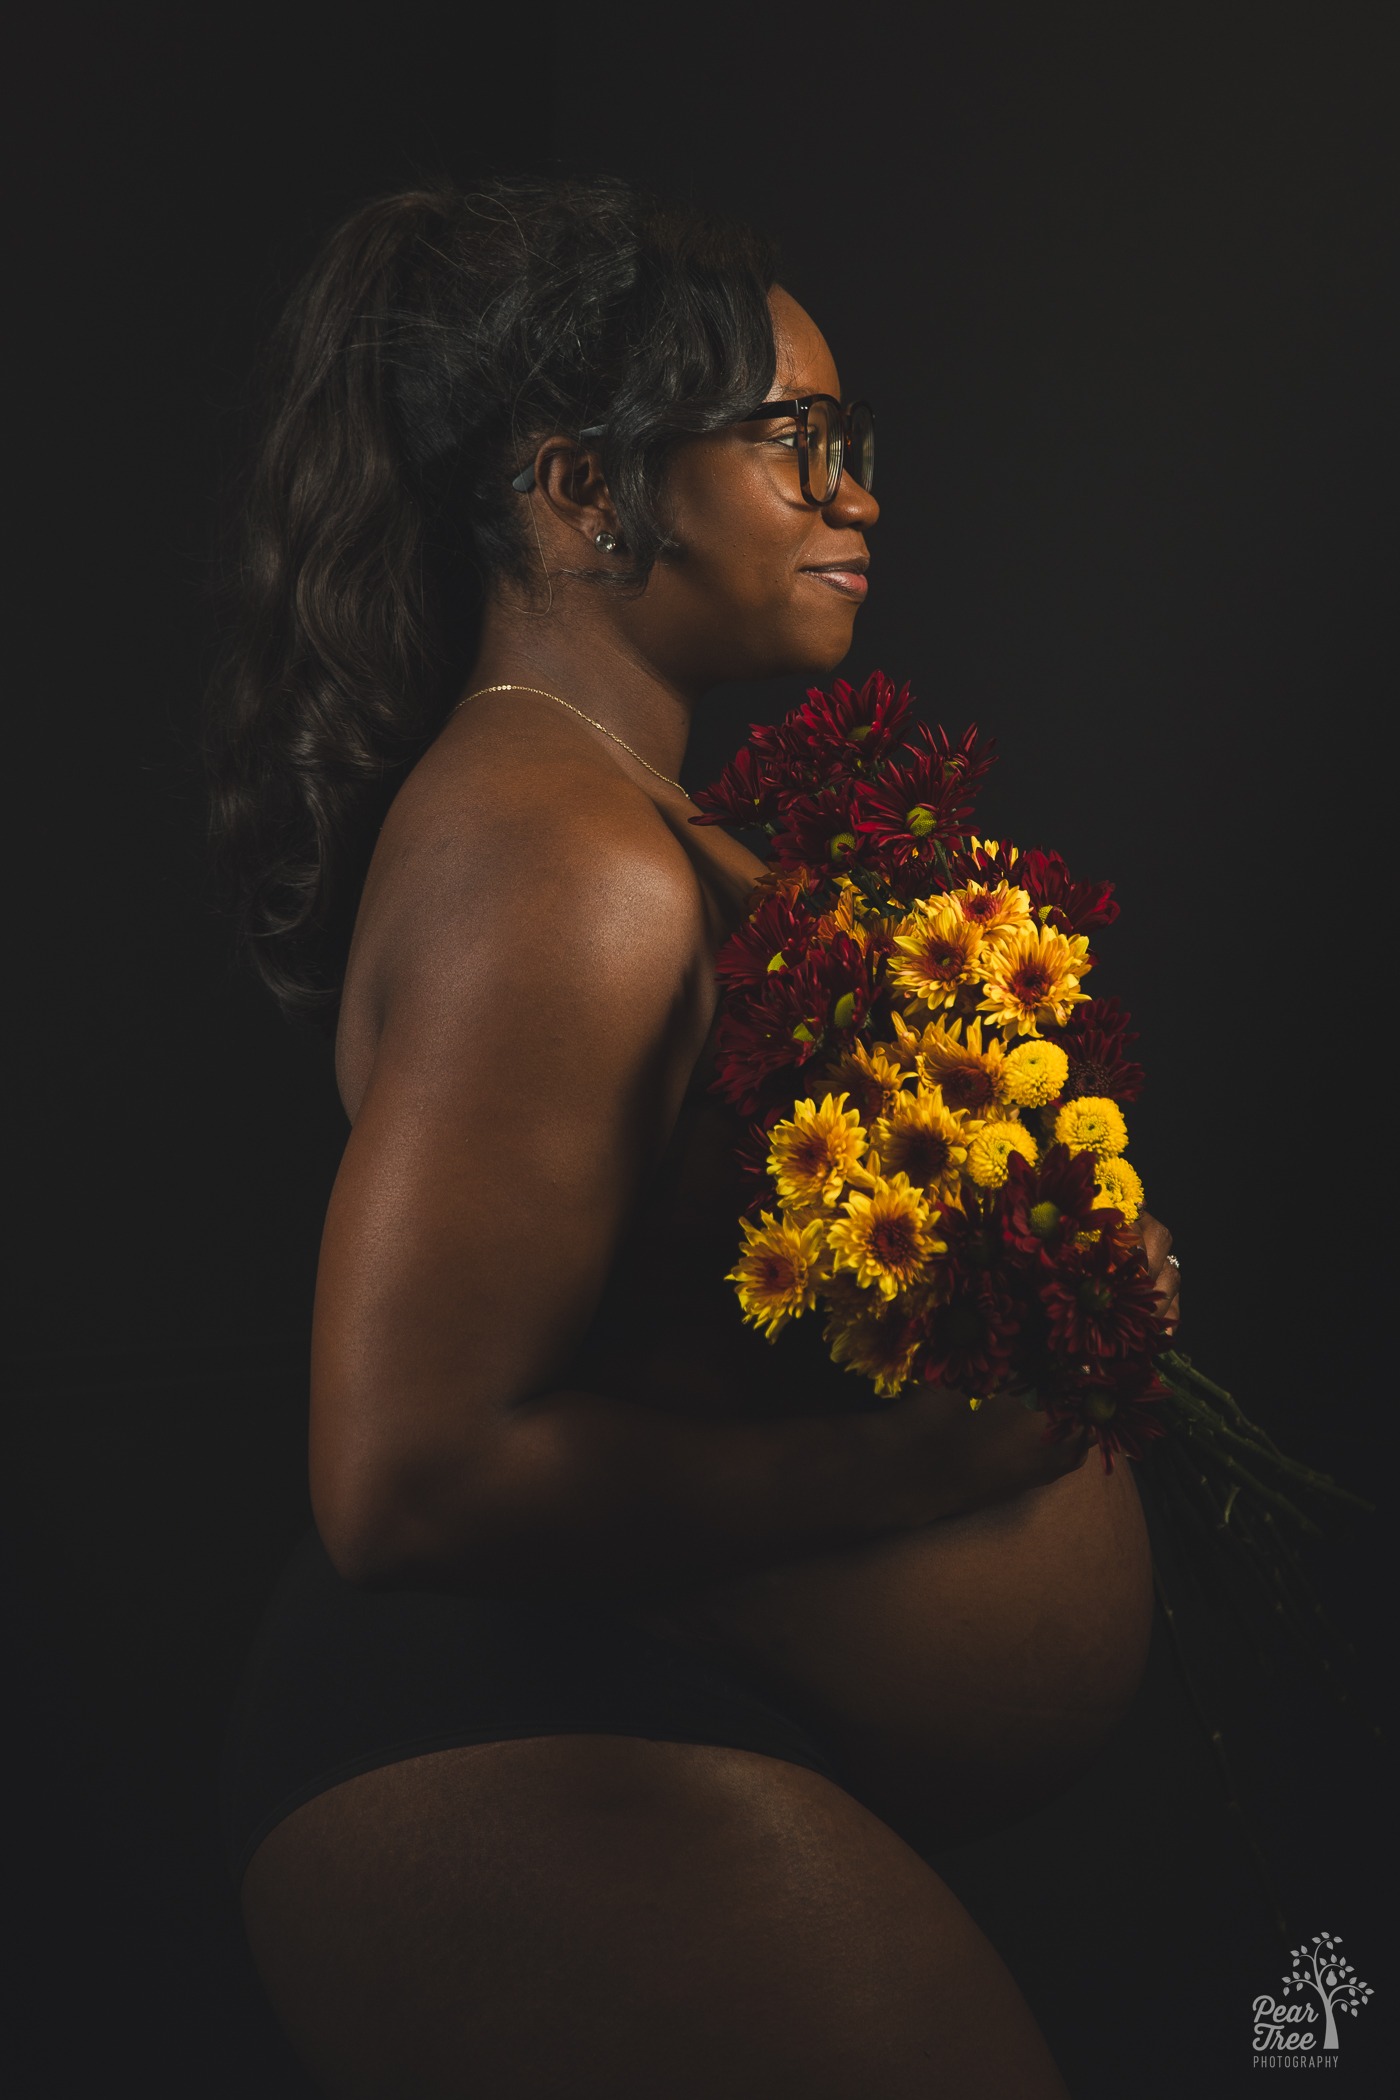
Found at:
[861, 461]
[823, 453]
[826, 447]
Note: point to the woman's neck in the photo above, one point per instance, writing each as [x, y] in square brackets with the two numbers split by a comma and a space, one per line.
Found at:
[591, 665]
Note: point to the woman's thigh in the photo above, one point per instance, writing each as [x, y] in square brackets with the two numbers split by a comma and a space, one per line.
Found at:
[591, 1917]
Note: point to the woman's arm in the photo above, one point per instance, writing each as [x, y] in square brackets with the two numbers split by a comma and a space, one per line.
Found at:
[545, 991]
[581, 1492]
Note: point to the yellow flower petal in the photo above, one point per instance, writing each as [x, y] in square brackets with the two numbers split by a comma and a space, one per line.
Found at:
[812, 1152]
[1119, 1186]
[1091, 1124]
[1034, 1073]
[934, 951]
[776, 1276]
[989, 1154]
[1031, 979]
[885, 1239]
[925, 1140]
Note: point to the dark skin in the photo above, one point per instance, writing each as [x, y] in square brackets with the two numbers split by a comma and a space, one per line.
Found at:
[537, 934]
[528, 999]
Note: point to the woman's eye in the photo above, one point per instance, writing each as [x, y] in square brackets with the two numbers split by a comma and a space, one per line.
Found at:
[784, 437]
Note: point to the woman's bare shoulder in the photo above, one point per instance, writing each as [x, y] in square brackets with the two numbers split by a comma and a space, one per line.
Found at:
[490, 809]
[472, 813]
[475, 857]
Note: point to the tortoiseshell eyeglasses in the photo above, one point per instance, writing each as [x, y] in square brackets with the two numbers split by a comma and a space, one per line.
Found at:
[831, 440]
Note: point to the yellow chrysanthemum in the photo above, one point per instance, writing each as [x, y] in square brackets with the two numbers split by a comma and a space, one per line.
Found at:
[1119, 1186]
[934, 951]
[1032, 978]
[995, 912]
[886, 1238]
[1091, 1124]
[814, 1150]
[925, 1140]
[1034, 1073]
[905, 1047]
[777, 1273]
[872, 1077]
[874, 1339]
[847, 913]
[966, 1072]
[993, 847]
[989, 1153]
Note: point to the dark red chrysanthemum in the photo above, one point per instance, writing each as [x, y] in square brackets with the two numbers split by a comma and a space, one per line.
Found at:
[1099, 1301]
[775, 937]
[970, 1342]
[822, 1001]
[1073, 907]
[846, 730]
[748, 792]
[1107, 1017]
[920, 805]
[1094, 1041]
[817, 831]
[751, 1154]
[973, 1237]
[977, 863]
[1116, 1402]
[752, 1043]
[1043, 1208]
[775, 743]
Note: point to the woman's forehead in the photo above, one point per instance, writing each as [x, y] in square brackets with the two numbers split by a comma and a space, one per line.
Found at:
[805, 364]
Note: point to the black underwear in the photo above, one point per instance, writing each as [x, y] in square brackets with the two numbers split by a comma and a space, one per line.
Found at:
[341, 1680]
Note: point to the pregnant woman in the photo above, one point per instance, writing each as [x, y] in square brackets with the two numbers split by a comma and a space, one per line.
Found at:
[591, 1743]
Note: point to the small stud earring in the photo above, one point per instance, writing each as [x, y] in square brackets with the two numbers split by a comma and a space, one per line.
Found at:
[605, 541]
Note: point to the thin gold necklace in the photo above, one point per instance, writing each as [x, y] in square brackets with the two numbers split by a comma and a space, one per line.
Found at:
[539, 689]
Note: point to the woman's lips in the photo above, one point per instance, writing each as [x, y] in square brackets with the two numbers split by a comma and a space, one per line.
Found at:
[851, 583]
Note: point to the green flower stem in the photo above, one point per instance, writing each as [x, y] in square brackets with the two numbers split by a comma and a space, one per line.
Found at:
[1202, 1436]
[1224, 1477]
[1238, 1542]
[1255, 1485]
[1199, 1419]
[1181, 1371]
[1200, 1422]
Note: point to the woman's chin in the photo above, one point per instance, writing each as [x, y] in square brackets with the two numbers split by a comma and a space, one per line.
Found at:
[821, 654]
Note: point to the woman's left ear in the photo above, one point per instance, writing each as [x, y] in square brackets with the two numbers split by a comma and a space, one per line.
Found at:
[570, 478]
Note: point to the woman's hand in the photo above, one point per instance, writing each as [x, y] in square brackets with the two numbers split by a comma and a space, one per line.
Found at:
[1163, 1268]
[964, 1458]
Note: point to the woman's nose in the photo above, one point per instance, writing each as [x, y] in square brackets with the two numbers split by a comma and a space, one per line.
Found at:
[851, 505]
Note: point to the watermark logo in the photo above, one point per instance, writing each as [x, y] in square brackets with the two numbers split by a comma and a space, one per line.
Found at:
[1286, 2035]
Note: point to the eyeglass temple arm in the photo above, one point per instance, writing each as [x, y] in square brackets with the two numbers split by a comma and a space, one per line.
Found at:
[525, 479]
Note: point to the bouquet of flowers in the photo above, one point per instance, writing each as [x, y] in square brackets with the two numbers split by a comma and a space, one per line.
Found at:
[934, 1111]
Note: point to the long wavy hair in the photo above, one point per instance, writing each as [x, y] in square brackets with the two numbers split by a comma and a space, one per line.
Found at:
[436, 339]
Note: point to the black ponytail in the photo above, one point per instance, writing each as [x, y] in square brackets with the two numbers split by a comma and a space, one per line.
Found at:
[436, 339]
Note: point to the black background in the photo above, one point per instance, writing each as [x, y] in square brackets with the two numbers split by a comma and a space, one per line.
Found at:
[1119, 282]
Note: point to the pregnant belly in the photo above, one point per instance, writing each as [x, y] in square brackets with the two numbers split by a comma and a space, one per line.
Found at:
[966, 1672]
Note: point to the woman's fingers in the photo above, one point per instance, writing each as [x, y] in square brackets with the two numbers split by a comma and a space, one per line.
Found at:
[1170, 1304]
[1157, 1240]
[1162, 1268]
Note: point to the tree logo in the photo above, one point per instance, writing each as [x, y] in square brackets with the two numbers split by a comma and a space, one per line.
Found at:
[1322, 1974]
